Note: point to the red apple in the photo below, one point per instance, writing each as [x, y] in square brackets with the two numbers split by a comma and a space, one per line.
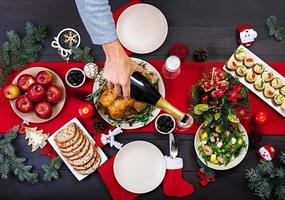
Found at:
[43, 110]
[54, 94]
[11, 91]
[25, 81]
[86, 110]
[44, 78]
[24, 104]
[37, 92]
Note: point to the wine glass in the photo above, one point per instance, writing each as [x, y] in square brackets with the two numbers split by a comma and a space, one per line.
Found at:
[185, 123]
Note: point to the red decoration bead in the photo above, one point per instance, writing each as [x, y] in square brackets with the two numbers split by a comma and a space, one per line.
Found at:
[261, 117]
[205, 98]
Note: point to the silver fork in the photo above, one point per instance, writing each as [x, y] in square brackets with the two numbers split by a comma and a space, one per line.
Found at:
[173, 147]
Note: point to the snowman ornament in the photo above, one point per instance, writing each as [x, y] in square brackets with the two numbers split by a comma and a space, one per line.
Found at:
[267, 152]
[246, 35]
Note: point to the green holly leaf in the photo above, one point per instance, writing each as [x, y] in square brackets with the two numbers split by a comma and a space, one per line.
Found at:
[200, 108]
[208, 119]
[233, 118]
[217, 115]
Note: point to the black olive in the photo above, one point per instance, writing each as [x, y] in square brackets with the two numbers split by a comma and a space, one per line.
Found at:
[75, 77]
[165, 124]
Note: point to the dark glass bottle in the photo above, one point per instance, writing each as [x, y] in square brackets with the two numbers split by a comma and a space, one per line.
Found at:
[142, 90]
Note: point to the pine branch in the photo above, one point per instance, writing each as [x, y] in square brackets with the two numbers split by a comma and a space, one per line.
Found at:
[82, 55]
[282, 157]
[11, 162]
[274, 28]
[208, 171]
[267, 180]
[51, 170]
[4, 167]
[18, 51]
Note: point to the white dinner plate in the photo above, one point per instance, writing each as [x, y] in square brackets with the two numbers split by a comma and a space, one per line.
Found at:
[232, 163]
[155, 112]
[139, 167]
[142, 28]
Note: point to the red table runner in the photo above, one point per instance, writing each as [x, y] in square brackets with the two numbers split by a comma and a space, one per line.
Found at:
[177, 91]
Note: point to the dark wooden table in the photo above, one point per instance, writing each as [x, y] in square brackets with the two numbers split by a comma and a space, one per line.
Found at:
[205, 23]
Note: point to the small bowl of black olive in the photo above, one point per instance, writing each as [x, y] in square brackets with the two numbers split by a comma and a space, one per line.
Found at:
[75, 77]
[164, 124]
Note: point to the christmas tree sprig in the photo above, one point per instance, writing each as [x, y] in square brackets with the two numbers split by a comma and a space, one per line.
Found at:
[267, 179]
[51, 170]
[18, 51]
[9, 161]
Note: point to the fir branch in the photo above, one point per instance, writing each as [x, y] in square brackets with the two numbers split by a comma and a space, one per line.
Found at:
[11, 162]
[267, 180]
[18, 51]
[208, 171]
[4, 167]
[274, 28]
[82, 55]
[282, 157]
[51, 170]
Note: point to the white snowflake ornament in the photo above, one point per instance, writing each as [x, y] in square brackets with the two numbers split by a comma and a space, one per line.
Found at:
[70, 38]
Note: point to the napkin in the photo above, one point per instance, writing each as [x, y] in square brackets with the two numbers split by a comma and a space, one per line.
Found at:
[174, 184]
[118, 12]
[116, 191]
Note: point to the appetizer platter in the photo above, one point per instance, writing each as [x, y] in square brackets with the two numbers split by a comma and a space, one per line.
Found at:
[221, 150]
[259, 77]
[41, 95]
[77, 149]
[126, 113]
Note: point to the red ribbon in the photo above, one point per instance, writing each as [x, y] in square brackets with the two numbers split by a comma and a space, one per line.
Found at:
[204, 180]
[98, 140]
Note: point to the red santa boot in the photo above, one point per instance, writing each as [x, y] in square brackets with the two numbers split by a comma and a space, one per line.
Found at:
[174, 184]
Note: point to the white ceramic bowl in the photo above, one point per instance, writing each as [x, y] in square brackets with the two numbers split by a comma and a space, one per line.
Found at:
[155, 123]
[69, 84]
[232, 163]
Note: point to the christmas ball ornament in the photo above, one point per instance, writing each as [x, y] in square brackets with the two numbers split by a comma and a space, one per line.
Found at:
[200, 54]
[267, 152]
[90, 70]
[246, 35]
[205, 98]
[261, 118]
[86, 110]
[179, 50]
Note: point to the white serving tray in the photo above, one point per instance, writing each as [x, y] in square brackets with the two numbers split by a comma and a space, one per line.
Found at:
[250, 85]
[55, 147]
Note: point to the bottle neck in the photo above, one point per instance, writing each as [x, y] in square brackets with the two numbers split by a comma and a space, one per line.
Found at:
[164, 105]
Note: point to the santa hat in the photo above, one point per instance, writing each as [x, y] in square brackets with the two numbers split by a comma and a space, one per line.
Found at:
[270, 150]
[244, 27]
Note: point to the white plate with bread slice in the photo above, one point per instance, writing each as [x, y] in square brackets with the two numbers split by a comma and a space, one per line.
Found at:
[77, 149]
[258, 77]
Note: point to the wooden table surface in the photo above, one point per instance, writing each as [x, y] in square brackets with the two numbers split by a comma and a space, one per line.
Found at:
[205, 23]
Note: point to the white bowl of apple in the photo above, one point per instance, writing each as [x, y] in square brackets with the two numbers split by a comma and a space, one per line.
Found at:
[36, 95]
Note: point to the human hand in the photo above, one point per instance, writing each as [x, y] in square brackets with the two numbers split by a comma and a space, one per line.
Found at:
[118, 68]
